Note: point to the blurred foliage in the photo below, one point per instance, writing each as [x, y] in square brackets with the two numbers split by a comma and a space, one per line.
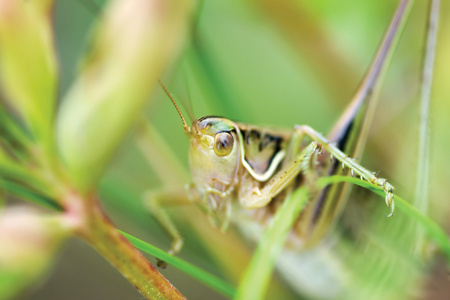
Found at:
[54, 155]
[30, 240]
[30, 77]
[279, 64]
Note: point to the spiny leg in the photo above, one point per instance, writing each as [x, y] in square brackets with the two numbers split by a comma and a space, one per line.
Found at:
[350, 163]
[156, 201]
[210, 205]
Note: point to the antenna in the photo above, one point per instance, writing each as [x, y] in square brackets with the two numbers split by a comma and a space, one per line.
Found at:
[187, 129]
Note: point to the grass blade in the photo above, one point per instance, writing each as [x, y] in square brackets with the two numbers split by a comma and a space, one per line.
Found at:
[208, 279]
[430, 227]
[255, 281]
[26, 194]
[423, 157]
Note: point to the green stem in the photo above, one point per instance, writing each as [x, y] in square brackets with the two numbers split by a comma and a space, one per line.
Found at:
[103, 236]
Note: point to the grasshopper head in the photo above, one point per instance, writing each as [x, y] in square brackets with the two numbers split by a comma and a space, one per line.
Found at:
[214, 157]
[214, 162]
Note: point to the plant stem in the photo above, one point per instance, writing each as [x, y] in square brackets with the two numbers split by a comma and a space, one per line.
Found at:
[98, 231]
[423, 157]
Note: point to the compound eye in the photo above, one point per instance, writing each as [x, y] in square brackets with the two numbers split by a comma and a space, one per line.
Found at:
[223, 143]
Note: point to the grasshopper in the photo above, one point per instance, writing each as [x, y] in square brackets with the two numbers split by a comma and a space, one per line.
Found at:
[235, 164]
[241, 173]
[241, 169]
[257, 166]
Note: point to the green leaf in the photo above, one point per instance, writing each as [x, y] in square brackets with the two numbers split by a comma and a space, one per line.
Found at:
[13, 136]
[134, 42]
[27, 194]
[28, 66]
[23, 182]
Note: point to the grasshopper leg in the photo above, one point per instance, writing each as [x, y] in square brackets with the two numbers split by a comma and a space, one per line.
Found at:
[210, 205]
[255, 197]
[350, 163]
[155, 202]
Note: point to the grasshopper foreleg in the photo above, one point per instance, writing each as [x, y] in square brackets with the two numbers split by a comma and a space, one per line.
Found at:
[155, 203]
[350, 163]
[210, 200]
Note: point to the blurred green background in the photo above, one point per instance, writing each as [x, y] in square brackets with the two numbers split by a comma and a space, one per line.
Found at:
[265, 63]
